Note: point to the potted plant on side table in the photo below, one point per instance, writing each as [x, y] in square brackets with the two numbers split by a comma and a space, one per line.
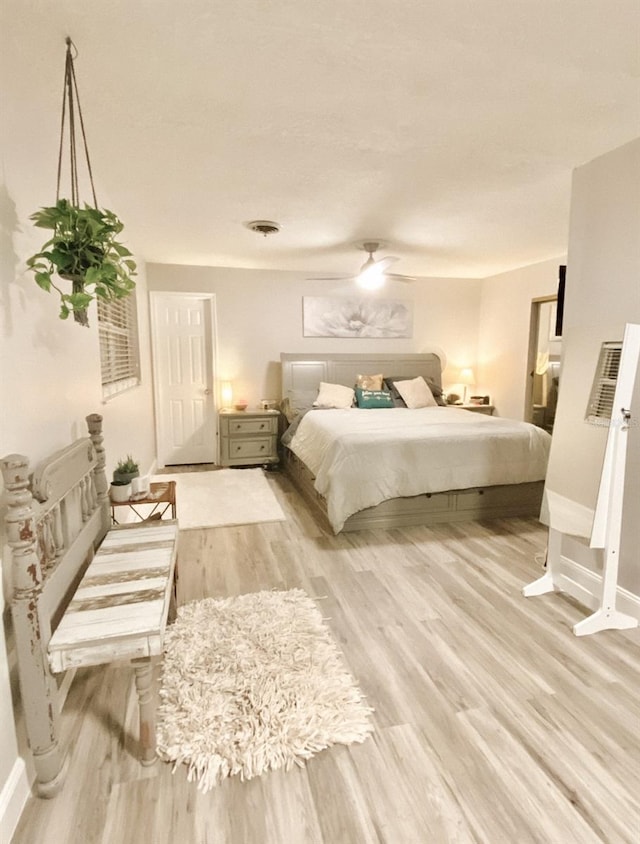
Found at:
[123, 474]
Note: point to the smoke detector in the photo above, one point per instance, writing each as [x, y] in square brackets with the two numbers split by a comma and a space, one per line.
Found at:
[263, 227]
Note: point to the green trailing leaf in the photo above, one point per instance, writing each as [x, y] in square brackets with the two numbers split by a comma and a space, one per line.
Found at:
[83, 249]
[80, 301]
[43, 280]
[62, 259]
[122, 251]
[92, 276]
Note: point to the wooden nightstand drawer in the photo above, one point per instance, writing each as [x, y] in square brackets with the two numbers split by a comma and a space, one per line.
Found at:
[252, 426]
[250, 449]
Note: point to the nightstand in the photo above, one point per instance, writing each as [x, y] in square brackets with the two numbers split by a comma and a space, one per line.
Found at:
[248, 437]
[487, 409]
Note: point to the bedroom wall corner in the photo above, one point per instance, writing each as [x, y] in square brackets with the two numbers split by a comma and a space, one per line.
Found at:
[503, 335]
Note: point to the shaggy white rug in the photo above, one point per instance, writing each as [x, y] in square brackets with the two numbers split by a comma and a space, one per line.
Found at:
[251, 684]
[224, 497]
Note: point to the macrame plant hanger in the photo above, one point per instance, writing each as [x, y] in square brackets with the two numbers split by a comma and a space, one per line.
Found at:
[84, 249]
[71, 105]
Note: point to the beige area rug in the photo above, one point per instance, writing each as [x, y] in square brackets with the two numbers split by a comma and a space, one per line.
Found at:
[224, 497]
[252, 684]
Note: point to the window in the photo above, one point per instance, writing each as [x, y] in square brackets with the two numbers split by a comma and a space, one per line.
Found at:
[119, 351]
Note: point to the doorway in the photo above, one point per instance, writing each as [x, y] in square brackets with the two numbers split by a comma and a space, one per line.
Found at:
[543, 364]
[184, 342]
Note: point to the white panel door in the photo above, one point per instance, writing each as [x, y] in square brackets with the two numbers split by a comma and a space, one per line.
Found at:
[183, 370]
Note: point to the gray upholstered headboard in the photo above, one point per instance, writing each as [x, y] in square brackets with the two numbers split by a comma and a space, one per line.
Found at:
[302, 373]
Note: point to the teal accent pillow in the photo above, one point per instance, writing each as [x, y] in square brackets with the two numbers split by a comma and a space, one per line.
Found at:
[373, 398]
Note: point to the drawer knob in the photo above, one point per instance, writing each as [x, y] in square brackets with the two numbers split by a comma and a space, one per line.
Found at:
[261, 448]
[262, 424]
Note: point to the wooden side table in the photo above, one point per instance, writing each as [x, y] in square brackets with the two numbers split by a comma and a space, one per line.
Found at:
[487, 409]
[161, 495]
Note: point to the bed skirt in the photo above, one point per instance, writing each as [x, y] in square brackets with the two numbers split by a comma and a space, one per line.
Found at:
[462, 505]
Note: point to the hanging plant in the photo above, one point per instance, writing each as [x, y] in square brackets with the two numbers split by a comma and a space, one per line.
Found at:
[83, 249]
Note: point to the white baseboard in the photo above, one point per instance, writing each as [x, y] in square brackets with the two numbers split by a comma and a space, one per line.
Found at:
[13, 797]
[585, 586]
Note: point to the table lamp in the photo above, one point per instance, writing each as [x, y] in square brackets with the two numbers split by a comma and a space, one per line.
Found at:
[226, 394]
[467, 379]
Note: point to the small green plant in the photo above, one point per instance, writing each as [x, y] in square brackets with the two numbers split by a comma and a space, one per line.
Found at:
[85, 251]
[127, 466]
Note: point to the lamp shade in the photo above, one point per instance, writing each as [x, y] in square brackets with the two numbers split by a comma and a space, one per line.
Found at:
[466, 376]
[226, 394]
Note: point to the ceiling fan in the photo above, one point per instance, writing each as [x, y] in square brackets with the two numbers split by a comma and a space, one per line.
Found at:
[372, 273]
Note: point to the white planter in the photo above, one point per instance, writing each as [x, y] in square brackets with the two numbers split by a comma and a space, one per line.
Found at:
[120, 492]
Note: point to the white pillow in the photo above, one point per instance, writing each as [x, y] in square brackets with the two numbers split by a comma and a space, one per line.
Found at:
[334, 395]
[416, 393]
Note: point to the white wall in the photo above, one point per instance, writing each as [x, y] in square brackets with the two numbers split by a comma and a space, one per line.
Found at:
[603, 293]
[259, 315]
[503, 336]
[49, 382]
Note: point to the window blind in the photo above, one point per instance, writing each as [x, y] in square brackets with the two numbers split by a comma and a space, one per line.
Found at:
[119, 351]
[604, 383]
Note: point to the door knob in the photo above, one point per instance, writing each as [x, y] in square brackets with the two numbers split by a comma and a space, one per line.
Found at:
[207, 392]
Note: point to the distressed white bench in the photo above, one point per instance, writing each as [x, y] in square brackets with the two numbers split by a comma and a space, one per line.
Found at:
[83, 593]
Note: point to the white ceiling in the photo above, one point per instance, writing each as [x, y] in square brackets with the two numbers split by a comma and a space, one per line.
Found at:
[448, 129]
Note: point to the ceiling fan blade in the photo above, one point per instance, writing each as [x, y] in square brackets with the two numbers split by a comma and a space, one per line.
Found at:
[372, 273]
[385, 262]
[407, 278]
[330, 278]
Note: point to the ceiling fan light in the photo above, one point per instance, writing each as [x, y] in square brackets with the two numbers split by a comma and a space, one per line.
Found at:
[371, 278]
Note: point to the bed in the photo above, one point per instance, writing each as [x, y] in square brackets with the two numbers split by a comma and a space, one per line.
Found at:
[393, 467]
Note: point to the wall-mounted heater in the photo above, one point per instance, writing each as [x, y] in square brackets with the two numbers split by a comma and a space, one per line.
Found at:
[602, 397]
[609, 404]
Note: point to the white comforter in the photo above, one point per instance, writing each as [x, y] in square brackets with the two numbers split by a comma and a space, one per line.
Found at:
[362, 457]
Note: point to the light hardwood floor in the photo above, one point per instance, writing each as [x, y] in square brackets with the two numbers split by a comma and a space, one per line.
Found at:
[493, 722]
